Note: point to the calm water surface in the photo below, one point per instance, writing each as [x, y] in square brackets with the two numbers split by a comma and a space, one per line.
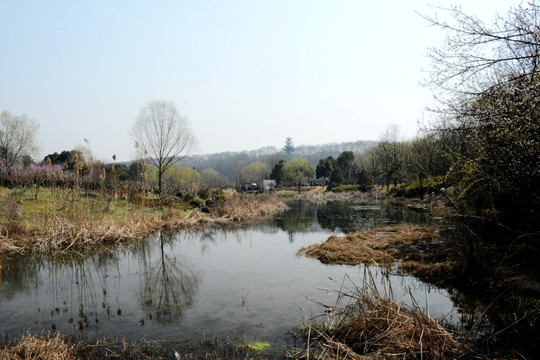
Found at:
[246, 283]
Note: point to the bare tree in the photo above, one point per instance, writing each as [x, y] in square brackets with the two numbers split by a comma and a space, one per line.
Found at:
[17, 138]
[475, 56]
[163, 134]
[389, 153]
[488, 78]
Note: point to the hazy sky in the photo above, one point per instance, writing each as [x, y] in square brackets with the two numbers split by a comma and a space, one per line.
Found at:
[246, 74]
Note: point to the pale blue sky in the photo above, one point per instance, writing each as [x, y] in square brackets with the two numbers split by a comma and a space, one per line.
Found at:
[246, 73]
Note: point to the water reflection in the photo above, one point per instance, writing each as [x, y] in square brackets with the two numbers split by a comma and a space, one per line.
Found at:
[167, 286]
[65, 289]
[343, 217]
[80, 292]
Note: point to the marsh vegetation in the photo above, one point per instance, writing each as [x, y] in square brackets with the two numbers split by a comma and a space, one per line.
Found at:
[63, 218]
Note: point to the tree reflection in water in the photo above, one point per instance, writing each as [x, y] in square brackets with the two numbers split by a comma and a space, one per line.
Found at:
[167, 286]
[66, 286]
[81, 291]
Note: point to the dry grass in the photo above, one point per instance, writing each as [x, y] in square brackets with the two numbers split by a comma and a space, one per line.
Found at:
[58, 348]
[61, 221]
[320, 195]
[350, 196]
[382, 246]
[415, 249]
[39, 348]
[237, 210]
[373, 326]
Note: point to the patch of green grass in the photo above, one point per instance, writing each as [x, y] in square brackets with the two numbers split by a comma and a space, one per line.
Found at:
[255, 346]
[347, 188]
[75, 205]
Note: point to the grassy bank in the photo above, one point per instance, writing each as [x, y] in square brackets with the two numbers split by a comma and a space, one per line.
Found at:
[320, 194]
[56, 219]
[56, 347]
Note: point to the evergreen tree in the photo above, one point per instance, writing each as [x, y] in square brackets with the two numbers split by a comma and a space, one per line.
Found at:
[277, 172]
[289, 146]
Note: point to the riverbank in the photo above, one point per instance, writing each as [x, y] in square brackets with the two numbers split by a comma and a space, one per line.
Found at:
[64, 219]
[320, 194]
[436, 206]
[56, 347]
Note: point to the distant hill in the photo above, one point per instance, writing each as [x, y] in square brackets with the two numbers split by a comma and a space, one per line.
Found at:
[226, 162]
[316, 152]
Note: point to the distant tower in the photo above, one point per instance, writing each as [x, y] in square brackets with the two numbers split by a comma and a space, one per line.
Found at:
[289, 146]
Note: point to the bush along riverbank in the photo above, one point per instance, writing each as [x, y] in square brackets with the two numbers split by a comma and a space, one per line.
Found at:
[63, 219]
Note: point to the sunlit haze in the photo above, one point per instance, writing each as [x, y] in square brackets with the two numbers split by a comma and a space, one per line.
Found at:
[246, 74]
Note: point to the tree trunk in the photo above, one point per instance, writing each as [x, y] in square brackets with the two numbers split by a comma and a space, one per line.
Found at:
[159, 184]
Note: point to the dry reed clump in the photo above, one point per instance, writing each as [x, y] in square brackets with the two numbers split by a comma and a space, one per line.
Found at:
[40, 348]
[383, 246]
[10, 246]
[372, 326]
[414, 248]
[65, 235]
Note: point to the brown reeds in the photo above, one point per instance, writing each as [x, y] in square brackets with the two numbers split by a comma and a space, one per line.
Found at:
[414, 249]
[373, 326]
[82, 225]
[237, 210]
[39, 348]
[382, 246]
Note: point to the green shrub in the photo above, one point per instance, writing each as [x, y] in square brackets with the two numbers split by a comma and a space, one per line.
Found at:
[204, 193]
[218, 195]
[414, 189]
[198, 203]
[123, 176]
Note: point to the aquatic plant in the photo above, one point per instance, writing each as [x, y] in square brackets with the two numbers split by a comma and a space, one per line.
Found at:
[373, 325]
[256, 346]
[383, 246]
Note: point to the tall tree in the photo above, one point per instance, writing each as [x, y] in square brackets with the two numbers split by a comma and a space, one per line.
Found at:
[256, 172]
[289, 146]
[345, 161]
[297, 170]
[325, 167]
[278, 172]
[163, 134]
[17, 138]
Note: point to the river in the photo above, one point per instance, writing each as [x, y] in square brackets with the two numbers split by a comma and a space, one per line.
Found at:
[245, 283]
